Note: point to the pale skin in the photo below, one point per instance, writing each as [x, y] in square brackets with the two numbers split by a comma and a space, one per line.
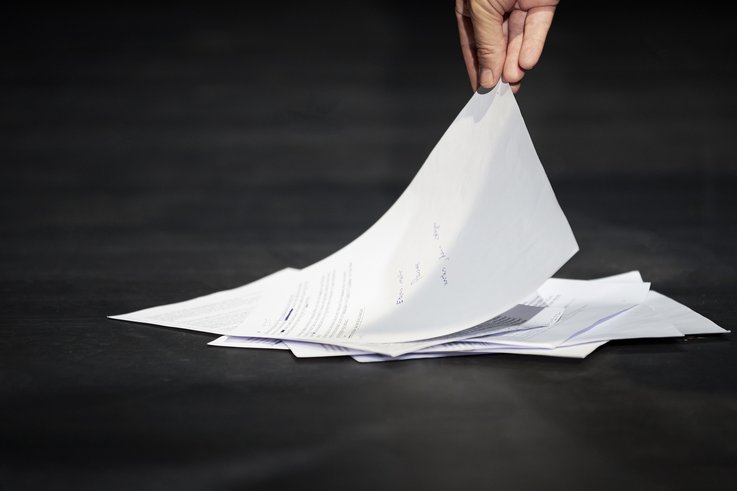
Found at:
[502, 38]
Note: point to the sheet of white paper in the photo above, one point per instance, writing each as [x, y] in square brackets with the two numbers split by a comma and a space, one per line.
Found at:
[373, 358]
[476, 231]
[578, 351]
[240, 342]
[303, 349]
[668, 310]
[684, 319]
[217, 313]
[658, 316]
[637, 323]
[586, 305]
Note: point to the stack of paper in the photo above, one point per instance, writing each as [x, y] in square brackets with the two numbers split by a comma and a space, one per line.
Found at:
[564, 318]
[460, 264]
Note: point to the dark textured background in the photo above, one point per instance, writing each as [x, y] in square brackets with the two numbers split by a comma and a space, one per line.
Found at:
[153, 153]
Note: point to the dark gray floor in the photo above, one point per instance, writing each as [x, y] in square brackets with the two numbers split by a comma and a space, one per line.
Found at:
[153, 155]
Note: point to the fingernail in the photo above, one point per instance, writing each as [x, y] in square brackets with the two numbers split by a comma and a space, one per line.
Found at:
[487, 78]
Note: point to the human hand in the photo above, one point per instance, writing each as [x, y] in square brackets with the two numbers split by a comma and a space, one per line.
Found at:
[502, 38]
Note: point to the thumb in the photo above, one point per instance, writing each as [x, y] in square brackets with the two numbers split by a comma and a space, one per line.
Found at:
[491, 42]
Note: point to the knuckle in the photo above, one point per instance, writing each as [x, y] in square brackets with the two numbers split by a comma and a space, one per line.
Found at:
[489, 7]
[487, 51]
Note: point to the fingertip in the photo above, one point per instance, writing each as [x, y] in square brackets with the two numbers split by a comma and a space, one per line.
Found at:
[487, 78]
[528, 57]
[513, 74]
[527, 62]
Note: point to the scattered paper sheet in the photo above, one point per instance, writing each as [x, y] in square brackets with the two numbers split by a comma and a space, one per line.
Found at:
[259, 343]
[217, 313]
[578, 351]
[584, 307]
[684, 319]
